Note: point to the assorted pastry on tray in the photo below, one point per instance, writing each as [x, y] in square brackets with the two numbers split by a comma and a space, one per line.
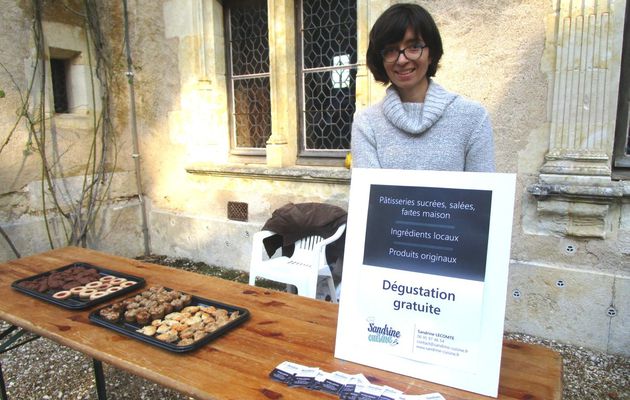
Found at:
[168, 316]
[81, 282]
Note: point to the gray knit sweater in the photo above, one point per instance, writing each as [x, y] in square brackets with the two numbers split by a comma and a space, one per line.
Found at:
[445, 133]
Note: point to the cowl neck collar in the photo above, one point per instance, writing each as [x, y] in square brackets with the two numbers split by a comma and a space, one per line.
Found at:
[416, 118]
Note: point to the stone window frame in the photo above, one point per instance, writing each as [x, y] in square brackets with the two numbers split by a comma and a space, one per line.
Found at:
[621, 166]
[70, 44]
[283, 146]
[246, 73]
[307, 68]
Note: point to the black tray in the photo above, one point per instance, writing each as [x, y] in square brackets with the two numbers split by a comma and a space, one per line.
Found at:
[74, 303]
[130, 329]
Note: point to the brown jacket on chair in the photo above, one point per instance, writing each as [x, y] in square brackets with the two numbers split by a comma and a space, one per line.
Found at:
[293, 222]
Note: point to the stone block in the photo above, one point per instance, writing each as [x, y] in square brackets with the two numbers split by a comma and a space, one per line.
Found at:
[215, 242]
[69, 190]
[117, 230]
[178, 18]
[64, 36]
[577, 219]
[623, 237]
[568, 305]
[619, 342]
[29, 236]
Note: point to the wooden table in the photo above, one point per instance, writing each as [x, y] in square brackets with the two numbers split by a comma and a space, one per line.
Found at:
[236, 366]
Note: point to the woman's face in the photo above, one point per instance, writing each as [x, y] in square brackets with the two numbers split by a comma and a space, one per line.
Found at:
[409, 76]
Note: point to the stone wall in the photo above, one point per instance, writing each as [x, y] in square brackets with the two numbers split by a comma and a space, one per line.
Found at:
[570, 264]
[38, 211]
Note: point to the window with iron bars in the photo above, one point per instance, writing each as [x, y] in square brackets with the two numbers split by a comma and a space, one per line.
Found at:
[327, 65]
[247, 38]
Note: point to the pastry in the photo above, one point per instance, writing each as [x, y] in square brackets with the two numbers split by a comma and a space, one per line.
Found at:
[86, 293]
[93, 285]
[62, 295]
[98, 295]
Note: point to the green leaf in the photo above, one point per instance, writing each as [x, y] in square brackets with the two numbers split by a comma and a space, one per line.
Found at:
[1, 93]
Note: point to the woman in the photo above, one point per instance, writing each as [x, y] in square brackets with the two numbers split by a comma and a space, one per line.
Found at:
[419, 124]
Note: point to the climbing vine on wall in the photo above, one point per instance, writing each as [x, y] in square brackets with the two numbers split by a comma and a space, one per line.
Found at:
[78, 214]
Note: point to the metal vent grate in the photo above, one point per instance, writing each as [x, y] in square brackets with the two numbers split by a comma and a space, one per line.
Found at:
[237, 211]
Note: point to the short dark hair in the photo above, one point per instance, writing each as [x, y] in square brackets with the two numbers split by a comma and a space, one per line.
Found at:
[390, 28]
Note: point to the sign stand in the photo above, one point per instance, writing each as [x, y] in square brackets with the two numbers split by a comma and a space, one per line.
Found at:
[425, 275]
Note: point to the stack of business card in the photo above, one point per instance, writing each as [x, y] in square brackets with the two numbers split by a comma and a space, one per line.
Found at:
[346, 386]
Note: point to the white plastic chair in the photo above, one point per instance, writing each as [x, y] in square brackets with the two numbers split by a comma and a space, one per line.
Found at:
[302, 269]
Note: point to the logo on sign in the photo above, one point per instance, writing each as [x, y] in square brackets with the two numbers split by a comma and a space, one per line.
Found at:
[382, 333]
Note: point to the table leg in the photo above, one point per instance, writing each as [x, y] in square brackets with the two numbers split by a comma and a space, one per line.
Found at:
[11, 338]
[99, 379]
[14, 337]
[3, 388]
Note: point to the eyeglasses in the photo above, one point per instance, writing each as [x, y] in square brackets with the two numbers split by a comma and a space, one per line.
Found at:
[413, 52]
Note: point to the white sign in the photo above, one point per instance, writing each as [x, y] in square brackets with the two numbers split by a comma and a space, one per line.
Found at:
[425, 274]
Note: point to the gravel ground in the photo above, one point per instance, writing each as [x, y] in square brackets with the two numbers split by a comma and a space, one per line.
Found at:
[43, 370]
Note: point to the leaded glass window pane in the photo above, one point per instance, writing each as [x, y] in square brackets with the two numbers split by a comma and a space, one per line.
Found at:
[328, 73]
[249, 40]
[248, 69]
[252, 112]
[329, 29]
[328, 110]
